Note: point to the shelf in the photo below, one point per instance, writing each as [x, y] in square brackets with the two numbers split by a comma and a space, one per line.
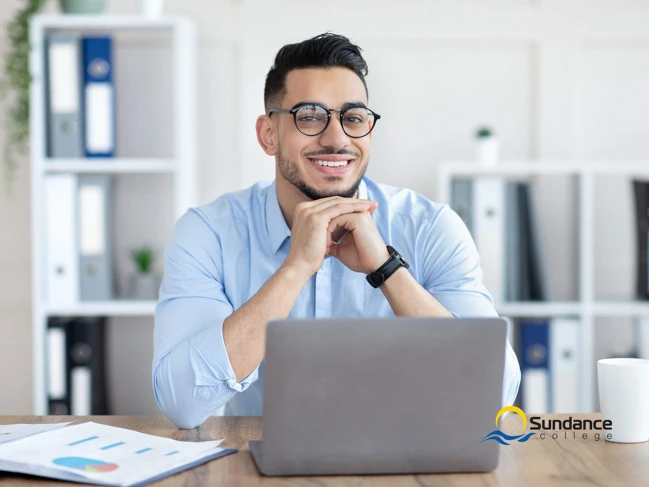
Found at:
[108, 21]
[531, 167]
[104, 308]
[539, 308]
[160, 45]
[621, 308]
[550, 308]
[109, 165]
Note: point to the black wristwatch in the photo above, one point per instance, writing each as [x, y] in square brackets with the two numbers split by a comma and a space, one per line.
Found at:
[391, 266]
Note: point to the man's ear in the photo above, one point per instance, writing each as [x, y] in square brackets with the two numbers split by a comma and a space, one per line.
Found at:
[266, 135]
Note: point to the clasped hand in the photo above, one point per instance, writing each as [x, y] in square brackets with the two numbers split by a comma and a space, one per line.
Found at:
[319, 225]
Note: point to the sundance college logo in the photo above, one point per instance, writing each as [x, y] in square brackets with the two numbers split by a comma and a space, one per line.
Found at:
[568, 428]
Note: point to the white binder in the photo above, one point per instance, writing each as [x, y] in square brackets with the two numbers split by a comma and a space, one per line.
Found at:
[81, 400]
[56, 363]
[61, 239]
[564, 365]
[488, 220]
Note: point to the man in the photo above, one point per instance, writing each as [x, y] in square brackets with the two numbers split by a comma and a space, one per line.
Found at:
[302, 246]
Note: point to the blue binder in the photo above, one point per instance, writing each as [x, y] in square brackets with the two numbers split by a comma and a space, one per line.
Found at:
[535, 366]
[99, 97]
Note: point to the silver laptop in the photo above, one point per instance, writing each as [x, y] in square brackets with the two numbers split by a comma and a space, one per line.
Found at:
[381, 395]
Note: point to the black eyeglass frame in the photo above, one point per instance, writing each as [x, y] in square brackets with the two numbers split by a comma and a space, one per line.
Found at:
[293, 111]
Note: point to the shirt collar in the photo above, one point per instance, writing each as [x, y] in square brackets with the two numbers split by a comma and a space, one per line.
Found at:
[278, 230]
[276, 226]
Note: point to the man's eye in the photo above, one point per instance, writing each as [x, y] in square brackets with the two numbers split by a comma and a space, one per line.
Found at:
[354, 119]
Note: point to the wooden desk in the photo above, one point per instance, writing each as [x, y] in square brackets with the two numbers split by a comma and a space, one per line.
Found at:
[565, 462]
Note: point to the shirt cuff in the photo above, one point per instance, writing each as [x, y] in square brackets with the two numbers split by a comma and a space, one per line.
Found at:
[245, 383]
[216, 372]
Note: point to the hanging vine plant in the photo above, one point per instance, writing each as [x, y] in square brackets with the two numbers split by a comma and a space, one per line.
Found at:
[14, 89]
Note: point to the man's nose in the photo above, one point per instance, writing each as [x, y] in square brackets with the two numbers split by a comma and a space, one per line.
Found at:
[334, 135]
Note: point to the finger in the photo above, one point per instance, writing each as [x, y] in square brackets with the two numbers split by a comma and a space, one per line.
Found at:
[343, 208]
[320, 201]
[337, 233]
[331, 210]
[306, 206]
[348, 221]
[338, 200]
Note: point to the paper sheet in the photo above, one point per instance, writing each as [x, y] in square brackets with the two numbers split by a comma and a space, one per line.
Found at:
[101, 454]
[11, 432]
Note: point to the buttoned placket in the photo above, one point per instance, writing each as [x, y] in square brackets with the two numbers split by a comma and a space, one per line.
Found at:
[323, 290]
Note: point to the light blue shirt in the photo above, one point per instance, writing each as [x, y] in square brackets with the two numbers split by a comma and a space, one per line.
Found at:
[222, 253]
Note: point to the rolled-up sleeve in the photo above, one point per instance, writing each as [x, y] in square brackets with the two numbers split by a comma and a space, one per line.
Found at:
[192, 373]
[452, 274]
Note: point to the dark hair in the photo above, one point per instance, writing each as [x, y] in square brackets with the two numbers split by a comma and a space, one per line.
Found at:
[322, 51]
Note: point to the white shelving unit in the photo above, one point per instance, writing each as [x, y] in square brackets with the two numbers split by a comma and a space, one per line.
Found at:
[181, 166]
[112, 166]
[587, 307]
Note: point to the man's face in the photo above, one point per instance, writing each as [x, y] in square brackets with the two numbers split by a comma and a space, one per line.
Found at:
[300, 157]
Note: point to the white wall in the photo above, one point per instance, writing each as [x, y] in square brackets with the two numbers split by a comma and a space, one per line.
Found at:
[555, 78]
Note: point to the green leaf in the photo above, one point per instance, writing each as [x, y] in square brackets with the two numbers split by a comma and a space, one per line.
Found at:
[143, 258]
[14, 88]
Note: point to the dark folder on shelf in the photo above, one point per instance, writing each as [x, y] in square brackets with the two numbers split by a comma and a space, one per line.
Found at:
[87, 365]
[641, 194]
[535, 375]
[534, 264]
[99, 97]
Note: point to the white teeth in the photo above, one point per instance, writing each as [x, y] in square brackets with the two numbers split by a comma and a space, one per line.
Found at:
[331, 163]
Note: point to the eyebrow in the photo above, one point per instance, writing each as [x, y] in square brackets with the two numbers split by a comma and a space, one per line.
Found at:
[346, 105]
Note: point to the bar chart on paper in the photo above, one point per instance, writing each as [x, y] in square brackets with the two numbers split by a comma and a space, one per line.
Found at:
[106, 455]
[95, 465]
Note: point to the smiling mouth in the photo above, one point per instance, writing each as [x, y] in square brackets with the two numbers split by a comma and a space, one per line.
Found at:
[323, 163]
[332, 167]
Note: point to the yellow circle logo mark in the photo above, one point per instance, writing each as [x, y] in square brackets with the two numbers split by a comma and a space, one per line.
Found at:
[512, 409]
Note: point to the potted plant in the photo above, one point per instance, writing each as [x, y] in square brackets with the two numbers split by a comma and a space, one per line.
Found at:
[82, 6]
[144, 283]
[152, 8]
[486, 146]
[14, 88]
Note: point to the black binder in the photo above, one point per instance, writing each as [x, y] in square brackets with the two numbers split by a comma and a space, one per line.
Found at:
[86, 349]
[641, 194]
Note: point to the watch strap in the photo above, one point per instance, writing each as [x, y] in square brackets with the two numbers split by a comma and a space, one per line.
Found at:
[390, 266]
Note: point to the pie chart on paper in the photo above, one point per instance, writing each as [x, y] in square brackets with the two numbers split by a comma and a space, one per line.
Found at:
[87, 464]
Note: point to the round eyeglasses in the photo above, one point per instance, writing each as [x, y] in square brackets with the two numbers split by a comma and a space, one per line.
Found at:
[312, 120]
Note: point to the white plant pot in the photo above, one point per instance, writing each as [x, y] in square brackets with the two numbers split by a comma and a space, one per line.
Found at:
[152, 8]
[487, 151]
[144, 286]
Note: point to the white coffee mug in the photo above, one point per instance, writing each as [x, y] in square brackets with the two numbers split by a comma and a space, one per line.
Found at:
[624, 398]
